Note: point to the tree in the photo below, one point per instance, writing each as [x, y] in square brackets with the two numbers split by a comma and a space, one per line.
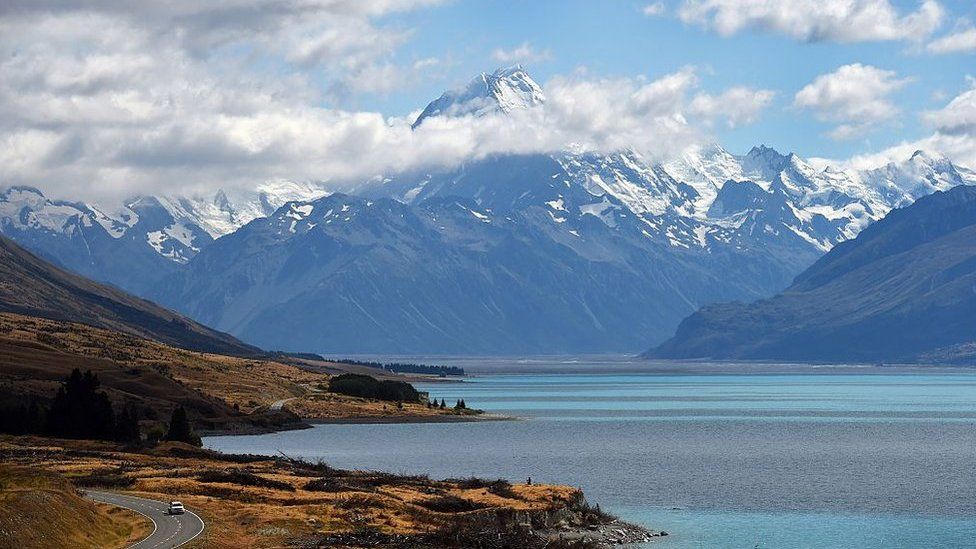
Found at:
[443, 404]
[180, 429]
[80, 410]
[127, 426]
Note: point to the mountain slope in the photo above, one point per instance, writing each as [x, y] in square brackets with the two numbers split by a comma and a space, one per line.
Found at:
[535, 253]
[530, 265]
[31, 286]
[565, 251]
[904, 289]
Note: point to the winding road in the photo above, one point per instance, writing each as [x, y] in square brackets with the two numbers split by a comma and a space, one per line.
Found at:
[168, 530]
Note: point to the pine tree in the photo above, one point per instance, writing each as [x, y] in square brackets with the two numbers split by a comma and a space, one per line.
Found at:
[443, 404]
[127, 426]
[79, 410]
[180, 429]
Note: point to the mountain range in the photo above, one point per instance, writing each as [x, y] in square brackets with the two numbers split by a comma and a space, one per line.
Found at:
[512, 254]
[903, 290]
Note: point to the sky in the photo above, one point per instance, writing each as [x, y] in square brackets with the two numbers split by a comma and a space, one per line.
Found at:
[110, 98]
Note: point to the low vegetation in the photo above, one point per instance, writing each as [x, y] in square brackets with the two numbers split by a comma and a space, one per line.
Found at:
[146, 381]
[364, 386]
[403, 367]
[42, 509]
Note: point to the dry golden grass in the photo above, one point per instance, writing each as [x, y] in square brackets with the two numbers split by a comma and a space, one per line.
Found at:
[37, 352]
[40, 509]
[242, 515]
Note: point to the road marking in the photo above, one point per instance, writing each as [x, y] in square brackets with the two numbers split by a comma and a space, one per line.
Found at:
[203, 524]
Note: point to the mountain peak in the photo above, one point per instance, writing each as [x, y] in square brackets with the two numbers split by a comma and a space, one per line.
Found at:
[505, 90]
[920, 155]
[762, 151]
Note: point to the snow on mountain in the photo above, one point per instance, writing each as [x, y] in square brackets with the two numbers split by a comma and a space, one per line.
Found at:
[560, 252]
[225, 212]
[504, 90]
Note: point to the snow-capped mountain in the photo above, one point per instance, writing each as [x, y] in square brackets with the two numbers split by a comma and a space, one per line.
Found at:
[561, 252]
[146, 238]
[504, 90]
[227, 211]
[131, 248]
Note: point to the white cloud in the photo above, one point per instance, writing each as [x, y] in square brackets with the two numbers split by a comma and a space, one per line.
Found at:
[954, 134]
[960, 41]
[102, 103]
[738, 105]
[958, 117]
[523, 53]
[654, 9]
[816, 20]
[339, 37]
[855, 96]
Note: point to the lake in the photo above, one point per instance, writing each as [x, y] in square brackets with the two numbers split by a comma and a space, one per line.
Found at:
[717, 455]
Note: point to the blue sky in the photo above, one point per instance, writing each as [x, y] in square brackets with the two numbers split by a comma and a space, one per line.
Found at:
[614, 38]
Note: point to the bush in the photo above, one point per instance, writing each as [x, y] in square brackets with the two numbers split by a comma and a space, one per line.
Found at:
[325, 484]
[105, 479]
[363, 386]
[450, 504]
[243, 478]
[499, 487]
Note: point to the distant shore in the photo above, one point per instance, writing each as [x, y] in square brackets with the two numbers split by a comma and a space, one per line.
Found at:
[413, 419]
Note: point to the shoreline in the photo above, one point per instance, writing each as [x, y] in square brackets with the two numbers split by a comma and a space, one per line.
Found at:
[253, 430]
[394, 420]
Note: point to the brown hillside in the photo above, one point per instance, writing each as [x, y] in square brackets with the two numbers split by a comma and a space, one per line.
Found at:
[220, 392]
[31, 286]
[40, 509]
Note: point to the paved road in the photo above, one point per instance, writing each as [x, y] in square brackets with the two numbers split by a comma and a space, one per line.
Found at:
[168, 530]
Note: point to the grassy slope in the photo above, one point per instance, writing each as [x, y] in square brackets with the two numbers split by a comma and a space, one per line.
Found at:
[41, 509]
[36, 354]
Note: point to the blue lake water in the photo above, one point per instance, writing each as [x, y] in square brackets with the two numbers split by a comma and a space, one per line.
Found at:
[767, 457]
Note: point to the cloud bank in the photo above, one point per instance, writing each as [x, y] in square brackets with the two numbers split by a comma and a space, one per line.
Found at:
[105, 100]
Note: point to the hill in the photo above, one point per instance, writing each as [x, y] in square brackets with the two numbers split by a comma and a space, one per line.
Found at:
[32, 286]
[903, 290]
[41, 509]
[220, 393]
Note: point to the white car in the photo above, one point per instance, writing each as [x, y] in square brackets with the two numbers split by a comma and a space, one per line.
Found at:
[176, 508]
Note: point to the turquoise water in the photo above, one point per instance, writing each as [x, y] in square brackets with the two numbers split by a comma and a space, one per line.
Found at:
[869, 457]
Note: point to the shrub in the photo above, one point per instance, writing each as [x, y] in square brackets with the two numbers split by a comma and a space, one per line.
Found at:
[105, 479]
[499, 487]
[243, 478]
[450, 504]
[368, 387]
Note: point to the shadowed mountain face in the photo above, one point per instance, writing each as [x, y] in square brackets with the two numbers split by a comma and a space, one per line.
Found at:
[904, 289]
[568, 251]
[492, 263]
[31, 286]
